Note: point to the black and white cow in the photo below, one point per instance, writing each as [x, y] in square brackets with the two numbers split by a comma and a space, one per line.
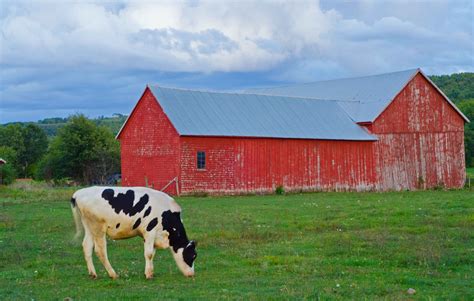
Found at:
[124, 212]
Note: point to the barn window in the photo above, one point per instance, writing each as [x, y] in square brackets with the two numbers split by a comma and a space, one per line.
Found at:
[201, 160]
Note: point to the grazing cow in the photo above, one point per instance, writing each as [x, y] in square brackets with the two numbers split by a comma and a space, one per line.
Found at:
[124, 212]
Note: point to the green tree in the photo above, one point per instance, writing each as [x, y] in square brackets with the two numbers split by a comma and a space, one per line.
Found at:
[467, 107]
[82, 151]
[7, 171]
[35, 145]
[457, 86]
[29, 142]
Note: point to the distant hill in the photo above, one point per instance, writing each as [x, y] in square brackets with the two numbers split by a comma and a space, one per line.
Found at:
[52, 125]
[458, 86]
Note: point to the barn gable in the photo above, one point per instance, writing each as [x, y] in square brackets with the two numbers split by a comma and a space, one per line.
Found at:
[149, 146]
[419, 107]
[420, 140]
[363, 98]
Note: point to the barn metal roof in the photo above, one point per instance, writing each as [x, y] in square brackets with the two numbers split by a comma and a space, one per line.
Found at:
[200, 113]
[363, 98]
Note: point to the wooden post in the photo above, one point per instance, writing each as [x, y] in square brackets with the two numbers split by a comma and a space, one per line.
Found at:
[177, 187]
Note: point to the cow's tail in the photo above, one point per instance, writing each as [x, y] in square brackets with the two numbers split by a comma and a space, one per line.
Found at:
[77, 219]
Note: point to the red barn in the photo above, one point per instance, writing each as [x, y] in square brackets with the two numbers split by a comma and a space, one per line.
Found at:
[384, 132]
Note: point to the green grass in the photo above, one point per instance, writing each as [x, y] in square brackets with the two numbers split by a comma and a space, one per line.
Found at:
[470, 172]
[304, 246]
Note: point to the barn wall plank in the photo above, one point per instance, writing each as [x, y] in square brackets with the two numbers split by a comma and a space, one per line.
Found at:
[421, 141]
[149, 147]
[245, 165]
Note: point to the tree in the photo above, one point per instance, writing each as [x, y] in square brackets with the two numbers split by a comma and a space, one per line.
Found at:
[7, 171]
[457, 86]
[82, 151]
[11, 136]
[35, 144]
[29, 142]
[467, 107]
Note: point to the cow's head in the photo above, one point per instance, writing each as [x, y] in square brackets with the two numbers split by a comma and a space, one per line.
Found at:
[185, 257]
[184, 250]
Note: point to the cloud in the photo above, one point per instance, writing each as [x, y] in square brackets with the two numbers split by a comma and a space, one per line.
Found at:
[89, 56]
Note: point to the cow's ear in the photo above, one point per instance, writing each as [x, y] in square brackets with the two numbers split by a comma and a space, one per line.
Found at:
[193, 243]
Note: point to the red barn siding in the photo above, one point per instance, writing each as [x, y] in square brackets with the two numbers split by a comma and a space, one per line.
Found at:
[420, 145]
[236, 165]
[149, 147]
[421, 140]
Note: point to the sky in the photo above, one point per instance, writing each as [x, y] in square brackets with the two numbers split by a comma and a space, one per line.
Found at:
[59, 58]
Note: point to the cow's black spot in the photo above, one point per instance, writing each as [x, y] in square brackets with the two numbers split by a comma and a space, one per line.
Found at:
[118, 225]
[152, 224]
[177, 235]
[189, 253]
[137, 223]
[124, 201]
[147, 212]
[73, 202]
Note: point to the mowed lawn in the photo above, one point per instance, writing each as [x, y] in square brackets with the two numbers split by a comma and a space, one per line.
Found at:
[301, 246]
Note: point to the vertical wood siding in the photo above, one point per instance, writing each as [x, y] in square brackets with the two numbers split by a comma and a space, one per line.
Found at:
[149, 147]
[240, 165]
[421, 141]
[421, 145]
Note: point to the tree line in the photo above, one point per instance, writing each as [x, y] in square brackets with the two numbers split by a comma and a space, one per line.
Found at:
[81, 151]
[459, 87]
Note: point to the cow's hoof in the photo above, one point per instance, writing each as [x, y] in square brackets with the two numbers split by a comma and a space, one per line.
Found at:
[115, 276]
[149, 276]
[93, 276]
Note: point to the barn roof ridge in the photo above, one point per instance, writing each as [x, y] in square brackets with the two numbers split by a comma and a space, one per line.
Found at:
[364, 98]
[337, 79]
[201, 113]
[237, 93]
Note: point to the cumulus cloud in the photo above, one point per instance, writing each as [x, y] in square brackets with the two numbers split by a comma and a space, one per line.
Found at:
[69, 55]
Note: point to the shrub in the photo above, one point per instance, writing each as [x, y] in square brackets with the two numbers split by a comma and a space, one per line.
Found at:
[200, 194]
[280, 190]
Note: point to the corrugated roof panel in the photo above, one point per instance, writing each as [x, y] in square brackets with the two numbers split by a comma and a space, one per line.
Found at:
[197, 113]
[370, 94]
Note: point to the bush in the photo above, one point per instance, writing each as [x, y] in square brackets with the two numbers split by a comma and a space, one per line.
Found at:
[200, 194]
[280, 190]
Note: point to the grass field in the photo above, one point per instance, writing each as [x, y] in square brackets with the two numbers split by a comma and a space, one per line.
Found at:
[303, 246]
[470, 172]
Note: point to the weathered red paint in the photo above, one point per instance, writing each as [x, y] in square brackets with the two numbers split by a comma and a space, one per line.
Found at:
[149, 146]
[420, 146]
[238, 165]
[421, 140]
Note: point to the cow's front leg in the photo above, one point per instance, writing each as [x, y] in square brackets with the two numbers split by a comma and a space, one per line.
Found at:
[149, 254]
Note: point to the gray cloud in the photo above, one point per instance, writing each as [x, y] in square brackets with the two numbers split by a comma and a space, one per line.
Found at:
[205, 42]
[58, 58]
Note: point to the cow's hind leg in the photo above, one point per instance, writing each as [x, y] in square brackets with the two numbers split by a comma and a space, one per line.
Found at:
[100, 247]
[149, 254]
[88, 246]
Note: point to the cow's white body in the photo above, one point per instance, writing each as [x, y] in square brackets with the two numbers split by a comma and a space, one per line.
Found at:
[124, 212]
